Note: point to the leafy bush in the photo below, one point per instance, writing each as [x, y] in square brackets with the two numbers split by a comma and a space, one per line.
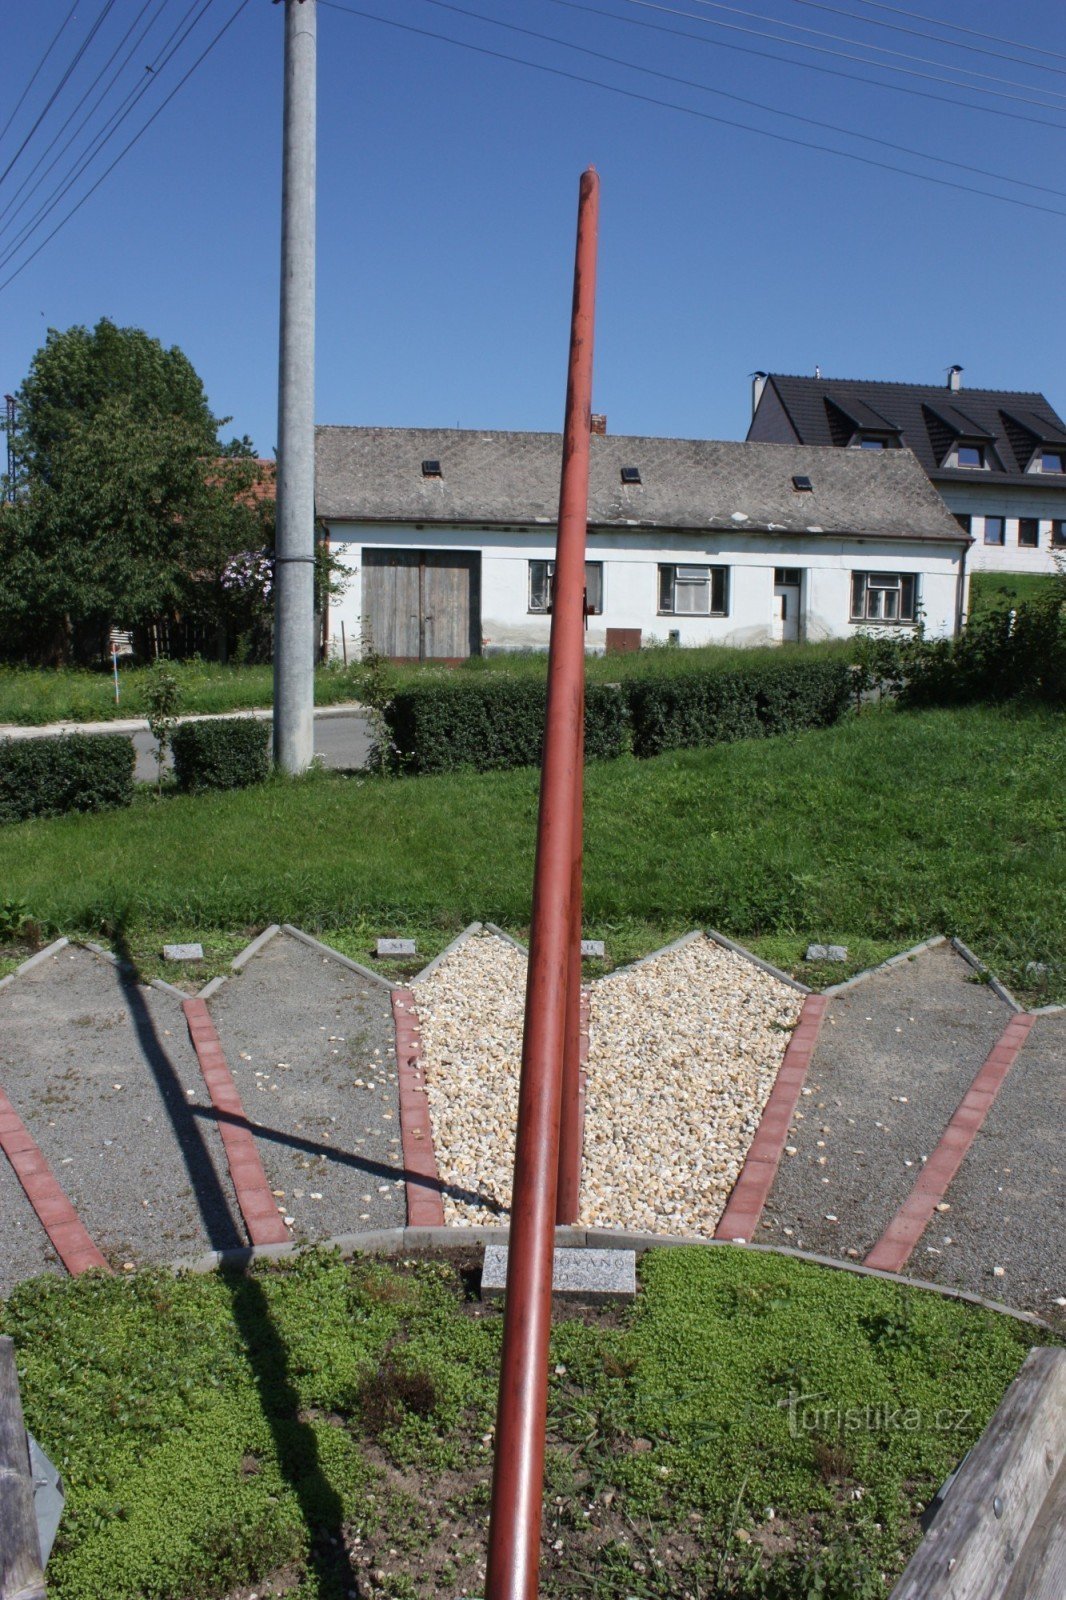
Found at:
[221, 753]
[488, 723]
[704, 708]
[1002, 654]
[78, 772]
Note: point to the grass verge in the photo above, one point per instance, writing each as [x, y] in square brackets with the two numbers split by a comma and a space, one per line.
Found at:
[884, 829]
[323, 1429]
[31, 697]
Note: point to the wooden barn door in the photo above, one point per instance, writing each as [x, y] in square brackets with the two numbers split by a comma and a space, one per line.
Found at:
[422, 605]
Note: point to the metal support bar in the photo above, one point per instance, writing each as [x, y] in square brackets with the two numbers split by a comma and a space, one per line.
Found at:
[518, 1468]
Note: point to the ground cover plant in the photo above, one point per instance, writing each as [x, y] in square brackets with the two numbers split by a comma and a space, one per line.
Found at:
[883, 828]
[755, 1426]
[30, 697]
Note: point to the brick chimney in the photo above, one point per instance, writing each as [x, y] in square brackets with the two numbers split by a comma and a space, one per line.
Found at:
[598, 422]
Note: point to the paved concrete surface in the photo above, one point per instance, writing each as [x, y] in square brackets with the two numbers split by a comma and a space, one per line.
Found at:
[305, 1038]
[1008, 1199]
[342, 736]
[102, 1073]
[894, 1057]
[25, 1249]
[341, 741]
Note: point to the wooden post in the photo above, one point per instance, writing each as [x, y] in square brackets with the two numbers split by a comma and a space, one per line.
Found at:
[21, 1572]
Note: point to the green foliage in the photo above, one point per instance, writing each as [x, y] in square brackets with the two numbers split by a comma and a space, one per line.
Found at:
[78, 772]
[30, 696]
[891, 826]
[212, 1430]
[1002, 654]
[489, 722]
[222, 753]
[161, 697]
[685, 710]
[125, 514]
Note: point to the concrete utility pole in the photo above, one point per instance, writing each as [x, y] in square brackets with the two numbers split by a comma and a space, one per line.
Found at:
[294, 617]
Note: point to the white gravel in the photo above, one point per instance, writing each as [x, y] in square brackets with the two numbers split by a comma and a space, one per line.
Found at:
[683, 1052]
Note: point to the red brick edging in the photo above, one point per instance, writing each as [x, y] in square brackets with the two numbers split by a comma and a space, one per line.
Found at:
[69, 1236]
[258, 1206]
[425, 1207]
[741, 1215]
[894, 1248]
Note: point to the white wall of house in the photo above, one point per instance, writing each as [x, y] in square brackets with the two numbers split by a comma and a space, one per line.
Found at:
[989, 499]
[631, 581]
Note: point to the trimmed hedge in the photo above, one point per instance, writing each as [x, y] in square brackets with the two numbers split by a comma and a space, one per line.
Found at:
[498, 721]
[698, 708]
[76, 772]
[221, 753]
[490, 723]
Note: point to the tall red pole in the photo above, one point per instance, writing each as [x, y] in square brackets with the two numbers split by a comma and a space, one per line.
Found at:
[568, 1198]
[518, 1469]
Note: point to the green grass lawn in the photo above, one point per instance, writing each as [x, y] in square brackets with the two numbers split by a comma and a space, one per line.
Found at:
[989, 589]
[323, 1429]
[877, 832]
[31, 697]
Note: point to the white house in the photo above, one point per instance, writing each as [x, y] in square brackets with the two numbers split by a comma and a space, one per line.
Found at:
[998, 457]
[449, 536]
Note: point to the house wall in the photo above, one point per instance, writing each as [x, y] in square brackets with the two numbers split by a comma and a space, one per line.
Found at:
[981, 499]
[630, 581]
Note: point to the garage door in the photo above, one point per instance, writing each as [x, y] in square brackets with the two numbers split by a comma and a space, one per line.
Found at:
[422, 605]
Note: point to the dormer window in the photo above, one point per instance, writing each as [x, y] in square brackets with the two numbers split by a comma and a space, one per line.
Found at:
[970, 455]
[872, 444]
[1050, 461]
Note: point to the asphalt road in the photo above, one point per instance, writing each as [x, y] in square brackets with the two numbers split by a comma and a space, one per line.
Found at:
[340, 741]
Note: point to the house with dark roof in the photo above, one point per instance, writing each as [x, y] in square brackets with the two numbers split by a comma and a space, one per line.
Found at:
[449, 536]
[997, 456]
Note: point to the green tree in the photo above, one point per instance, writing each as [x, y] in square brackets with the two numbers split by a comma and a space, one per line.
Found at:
[127, 508]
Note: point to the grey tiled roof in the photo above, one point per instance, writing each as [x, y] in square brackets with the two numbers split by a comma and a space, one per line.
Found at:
[926, 417]
[500, 479]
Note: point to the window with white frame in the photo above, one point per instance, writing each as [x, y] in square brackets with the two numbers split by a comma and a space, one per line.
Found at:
[883, 596]
[693, 591]
[542, 582]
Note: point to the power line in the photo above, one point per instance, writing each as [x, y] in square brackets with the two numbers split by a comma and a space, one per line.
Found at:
[958, 27]
[86, 42]
[844, 55]
[37, 69]
[788, 61]
[690, 111]
[72, 114]
[833, 72]
[127, 148]
[919, 33]
[757, 105]
[108, 131]
[882, 50]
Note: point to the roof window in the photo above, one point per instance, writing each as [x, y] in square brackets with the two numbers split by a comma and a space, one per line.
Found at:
[630, 474]
[431, 469]
[801, 481]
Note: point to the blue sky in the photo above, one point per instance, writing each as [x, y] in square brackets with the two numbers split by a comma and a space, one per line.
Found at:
[447, 199]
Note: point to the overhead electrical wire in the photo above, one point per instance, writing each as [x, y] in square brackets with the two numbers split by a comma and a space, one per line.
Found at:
[814, 66]
[844, 55]
[691, 111]
[60, 86]
[108, 131]
[881, 49]
[35, 74]
[959, 27]
[920, 33]
[142, 130]
[757, 105]
[88, 117]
